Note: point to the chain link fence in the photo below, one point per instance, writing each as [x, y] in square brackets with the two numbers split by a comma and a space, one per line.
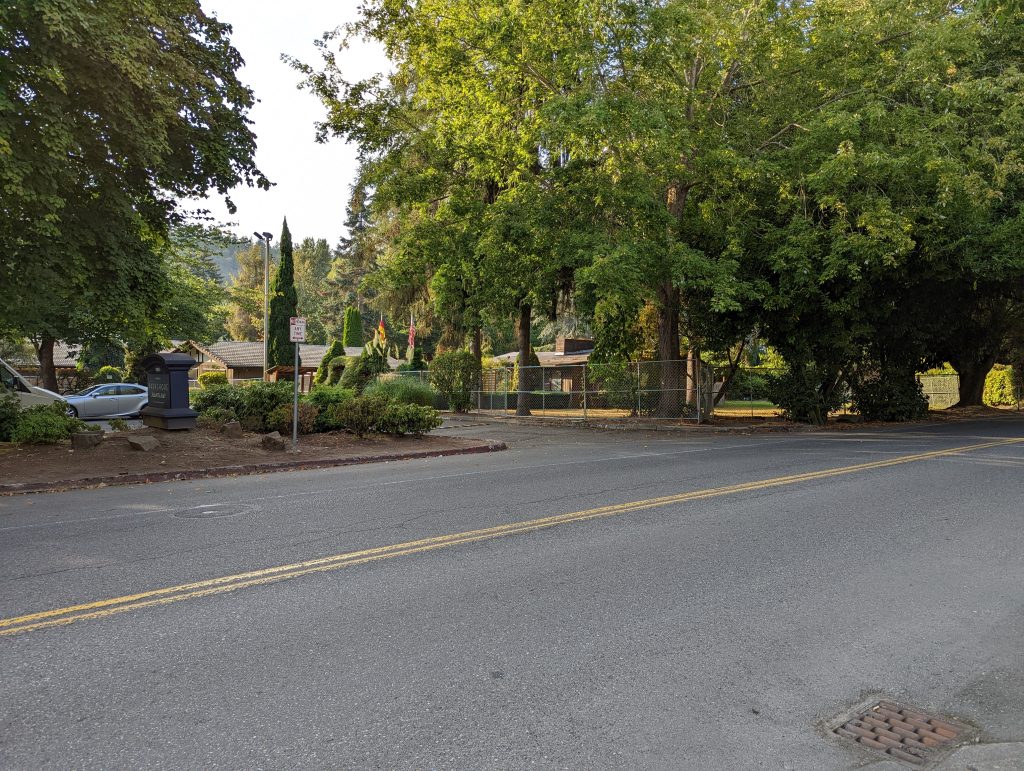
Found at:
[672, 390]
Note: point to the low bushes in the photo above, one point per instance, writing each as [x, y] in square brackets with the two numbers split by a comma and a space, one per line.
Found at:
[10, 410]
[404, 390]
[220, 397]
[215, 417]
[268, 407]
[207, 379]
[280, 419]
[401, 419]
[324, 398]
[46, 424]
[362, 414]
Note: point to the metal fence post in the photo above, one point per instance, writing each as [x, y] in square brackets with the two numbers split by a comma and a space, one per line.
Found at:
[638, 389]
[585, 392]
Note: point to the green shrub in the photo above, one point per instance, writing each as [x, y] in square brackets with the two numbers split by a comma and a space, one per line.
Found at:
[280, 418]
[455, 374]
[207, 379]
[325, 397]
[360, 372]
[891, 396]
[215, 417]
[401, 419]
[46, 424]
[805, 395]
[229, 398]
[404, 390]
[361, 414]
[336, 368]
[260, 399]
[109, 374]
[748, 385]
[119, 424]
[999, 387]
[323, 372]
[10, 410]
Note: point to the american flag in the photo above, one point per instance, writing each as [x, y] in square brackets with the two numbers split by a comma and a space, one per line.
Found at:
[412, 332]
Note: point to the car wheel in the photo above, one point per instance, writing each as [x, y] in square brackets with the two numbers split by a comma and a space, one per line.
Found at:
[139, 413]
[71, 411]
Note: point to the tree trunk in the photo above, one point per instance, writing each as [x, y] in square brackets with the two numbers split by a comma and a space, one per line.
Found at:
[693, 394]
[476, 348]
[972, 380]
[47, 371]
[525, 374]
[476, 345]
[669, 402]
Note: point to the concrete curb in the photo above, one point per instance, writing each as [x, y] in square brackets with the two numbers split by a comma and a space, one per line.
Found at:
[242, 470]
[630, 425]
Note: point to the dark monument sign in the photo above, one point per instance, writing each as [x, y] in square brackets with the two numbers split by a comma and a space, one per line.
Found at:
[167, 379]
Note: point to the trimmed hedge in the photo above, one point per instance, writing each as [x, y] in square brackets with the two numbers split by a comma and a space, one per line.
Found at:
[207, 379]
[324, 398]
[999, 387]
[228, 398]
[109, 374]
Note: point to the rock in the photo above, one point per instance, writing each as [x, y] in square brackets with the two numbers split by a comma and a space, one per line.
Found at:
[272, 441]
[143, 443]
[232, 429]
[86, 440]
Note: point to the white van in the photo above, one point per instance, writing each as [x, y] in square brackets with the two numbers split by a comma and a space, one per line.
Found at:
[29, 396]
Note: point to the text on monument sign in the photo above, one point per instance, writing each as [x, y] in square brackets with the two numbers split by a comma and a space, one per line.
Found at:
[159, 390]
[297, 329]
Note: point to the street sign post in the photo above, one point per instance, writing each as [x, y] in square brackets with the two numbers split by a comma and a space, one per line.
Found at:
[297, 334]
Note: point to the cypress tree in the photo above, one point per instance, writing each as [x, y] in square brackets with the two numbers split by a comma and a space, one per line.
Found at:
[283, 302]
[352, 334]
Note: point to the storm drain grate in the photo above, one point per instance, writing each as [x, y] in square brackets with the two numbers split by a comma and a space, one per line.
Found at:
[909, 735]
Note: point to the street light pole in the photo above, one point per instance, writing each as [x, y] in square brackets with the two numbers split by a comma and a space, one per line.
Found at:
[265, 238]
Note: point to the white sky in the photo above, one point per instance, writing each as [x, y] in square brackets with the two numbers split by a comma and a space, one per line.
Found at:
[312, 180]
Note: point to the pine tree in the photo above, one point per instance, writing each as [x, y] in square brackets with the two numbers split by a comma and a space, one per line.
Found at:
[352, 336]
[282, 305]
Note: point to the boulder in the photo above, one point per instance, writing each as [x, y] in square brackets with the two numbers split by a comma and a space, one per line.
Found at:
[86, 440]
[272, 441]
[143, 443]
[232, 429]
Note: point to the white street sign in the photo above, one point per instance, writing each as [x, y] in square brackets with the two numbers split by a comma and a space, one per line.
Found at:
[297, 329]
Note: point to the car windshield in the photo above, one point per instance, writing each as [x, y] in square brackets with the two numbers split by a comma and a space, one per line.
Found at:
[87, 391]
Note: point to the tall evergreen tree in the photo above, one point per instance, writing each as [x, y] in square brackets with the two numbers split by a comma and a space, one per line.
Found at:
[283, 302]
[352, 337]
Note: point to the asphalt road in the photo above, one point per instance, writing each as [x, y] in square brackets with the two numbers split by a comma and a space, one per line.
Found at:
[713, 632]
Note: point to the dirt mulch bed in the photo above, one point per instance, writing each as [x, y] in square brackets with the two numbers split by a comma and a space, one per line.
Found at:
[202, 452]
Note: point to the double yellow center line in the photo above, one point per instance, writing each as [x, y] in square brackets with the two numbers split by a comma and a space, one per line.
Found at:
[167, 595]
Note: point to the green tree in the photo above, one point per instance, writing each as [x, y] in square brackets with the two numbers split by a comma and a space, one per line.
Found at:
[352, 336]
[283, 300]
[245, 296]
[312, 267]
[109, 113]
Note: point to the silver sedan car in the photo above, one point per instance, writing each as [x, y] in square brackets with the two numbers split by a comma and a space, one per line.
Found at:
[108, 400]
